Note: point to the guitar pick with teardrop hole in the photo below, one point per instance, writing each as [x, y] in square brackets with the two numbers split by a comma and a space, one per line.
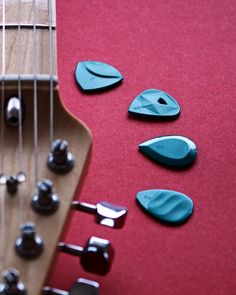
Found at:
[172, 150]
[94, 75]
[166, 205]
[155, 103]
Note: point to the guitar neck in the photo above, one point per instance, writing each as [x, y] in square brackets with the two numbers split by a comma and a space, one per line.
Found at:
[29, 33]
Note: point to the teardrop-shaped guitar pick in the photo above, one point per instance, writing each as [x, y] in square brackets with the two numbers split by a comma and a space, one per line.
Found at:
[171, 150]
[166, 205]
[155, 103]
[94, 75]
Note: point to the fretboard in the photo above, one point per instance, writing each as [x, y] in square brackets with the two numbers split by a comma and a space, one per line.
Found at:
[27, 38]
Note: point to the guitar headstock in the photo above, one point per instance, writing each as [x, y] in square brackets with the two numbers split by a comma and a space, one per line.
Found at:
[44, 150]
[49, 227]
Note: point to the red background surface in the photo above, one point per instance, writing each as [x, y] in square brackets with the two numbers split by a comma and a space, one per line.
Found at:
[186, 48]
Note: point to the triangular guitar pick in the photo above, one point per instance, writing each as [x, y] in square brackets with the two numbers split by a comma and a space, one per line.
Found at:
[155, 103]
[171, 150]
[94, 75]
[166, 205]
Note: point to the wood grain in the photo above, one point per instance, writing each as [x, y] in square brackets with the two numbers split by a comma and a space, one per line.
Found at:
[23, 41]
[33, 273]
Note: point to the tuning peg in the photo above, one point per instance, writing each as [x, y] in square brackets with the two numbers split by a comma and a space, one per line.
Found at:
[60, 160]
[44, 201]
[12, 184]
[12, 285]
[81, 287]
[12, 181]
[29, 245]
[96, 257]
[105, 213]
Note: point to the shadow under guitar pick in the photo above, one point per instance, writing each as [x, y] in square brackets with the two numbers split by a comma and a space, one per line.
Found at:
[167, 167]
[152, 119]
[170, 225]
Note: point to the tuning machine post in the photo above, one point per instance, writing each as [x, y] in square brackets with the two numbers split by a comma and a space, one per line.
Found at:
[45, 201]
[29, 245]
[106, 213]
[96, 257]
[12, 181]
[11, 284]
[81, 287]
[60, 160]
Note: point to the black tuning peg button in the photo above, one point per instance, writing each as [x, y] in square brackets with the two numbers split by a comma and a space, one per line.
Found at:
[29, 245]
[45, 201]
[11, 284]
[96, 257]
[53, 291]
[105, 213]
[81, 287]
[60, 160]
[84, 287]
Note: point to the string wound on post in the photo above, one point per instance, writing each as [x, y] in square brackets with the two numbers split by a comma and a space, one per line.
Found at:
[12, 181]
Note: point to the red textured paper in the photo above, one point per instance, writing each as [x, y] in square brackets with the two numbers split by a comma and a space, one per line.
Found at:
[186, 48]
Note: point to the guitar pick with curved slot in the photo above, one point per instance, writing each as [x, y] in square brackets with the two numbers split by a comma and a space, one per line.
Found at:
[94, 76]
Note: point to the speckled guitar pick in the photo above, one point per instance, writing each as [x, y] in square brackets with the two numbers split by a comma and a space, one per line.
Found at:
[172, 150]
[94, 75]
[166, 205]
[155, 103]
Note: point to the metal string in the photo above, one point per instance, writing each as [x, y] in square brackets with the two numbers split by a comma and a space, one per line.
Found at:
[20, 133]
[2, 189]
[3, 85]
[36, 149]
[51, 132]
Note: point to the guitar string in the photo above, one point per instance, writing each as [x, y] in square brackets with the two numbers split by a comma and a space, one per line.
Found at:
[3, 88]
[2, 196]
[36, 149]
[20, 132]
[51, 130]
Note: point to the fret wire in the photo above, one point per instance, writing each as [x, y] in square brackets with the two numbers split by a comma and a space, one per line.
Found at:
[51, 132]
[20, 133]
[27, 26]
[35, 93]
[2, 189]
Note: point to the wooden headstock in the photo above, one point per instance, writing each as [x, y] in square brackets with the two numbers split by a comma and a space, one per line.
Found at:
[48, 227]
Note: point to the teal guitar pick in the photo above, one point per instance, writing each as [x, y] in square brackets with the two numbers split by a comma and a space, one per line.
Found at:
[172, 150]
[94, 76]
[156, 104]
[166, 205]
